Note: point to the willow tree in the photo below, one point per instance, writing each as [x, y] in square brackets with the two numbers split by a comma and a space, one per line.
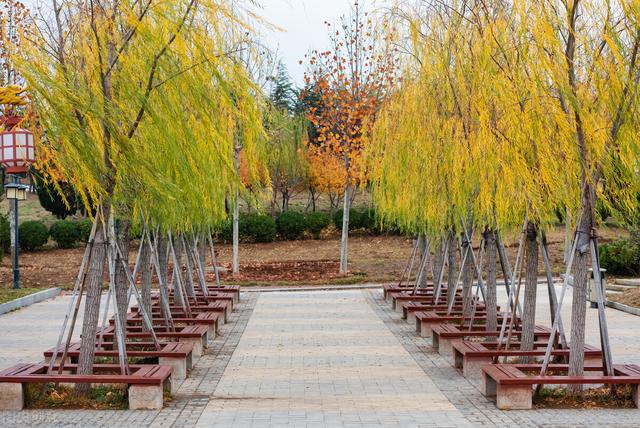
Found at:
[589, 50]
[466, 138]
[117, 84]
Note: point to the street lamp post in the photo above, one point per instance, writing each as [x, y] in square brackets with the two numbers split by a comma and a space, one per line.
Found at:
[16, 192]
[16, 154]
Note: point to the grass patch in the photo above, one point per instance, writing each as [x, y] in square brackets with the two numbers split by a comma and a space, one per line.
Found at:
[8, 294]
[103, 397]
[593, 398]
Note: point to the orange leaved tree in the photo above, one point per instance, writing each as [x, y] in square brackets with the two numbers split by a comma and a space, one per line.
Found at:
[349, 81]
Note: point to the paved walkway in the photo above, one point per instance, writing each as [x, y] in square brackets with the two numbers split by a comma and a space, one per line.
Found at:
[324, 359]
[315, 358]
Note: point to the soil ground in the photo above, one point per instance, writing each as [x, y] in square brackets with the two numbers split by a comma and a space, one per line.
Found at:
[630, 298]
[371, 259]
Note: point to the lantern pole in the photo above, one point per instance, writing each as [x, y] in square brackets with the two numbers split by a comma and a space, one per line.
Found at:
[16, 245]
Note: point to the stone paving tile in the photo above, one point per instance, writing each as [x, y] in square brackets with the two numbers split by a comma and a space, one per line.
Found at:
[324, 359]
[184, 411]
[317, 359]
[473, 405]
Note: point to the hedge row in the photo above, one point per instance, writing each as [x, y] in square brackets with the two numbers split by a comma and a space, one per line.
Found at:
[621, 257]
[34, 234]
[292, 225]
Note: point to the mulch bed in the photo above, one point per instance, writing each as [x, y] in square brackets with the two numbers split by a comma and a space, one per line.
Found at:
[593, 398]
[285, 271]
[630, 298]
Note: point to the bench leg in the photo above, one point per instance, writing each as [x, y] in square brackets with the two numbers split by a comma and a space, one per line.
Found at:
[178, 367]
[472, 366]
[404, 312]
[488, 386]
[514, 397]
[145, 397]
[444, 346]
[11, 396]
[425, 328]
[457, 360]
[197, 345]
[399, 307]
[435, 341]
[204, 341]
[418, 326]
[213, 330]
[411, 317]
[634, 394]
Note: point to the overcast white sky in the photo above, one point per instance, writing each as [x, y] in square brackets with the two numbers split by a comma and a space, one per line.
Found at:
[302, 28]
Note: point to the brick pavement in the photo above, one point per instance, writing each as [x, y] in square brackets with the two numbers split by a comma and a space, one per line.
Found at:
[316, 358]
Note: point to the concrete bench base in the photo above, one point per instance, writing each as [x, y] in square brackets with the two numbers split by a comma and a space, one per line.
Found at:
[508, 397]
[141, 397]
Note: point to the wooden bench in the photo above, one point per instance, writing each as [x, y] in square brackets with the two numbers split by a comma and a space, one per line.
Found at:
[388, 289]
[410, 308]
[391, 295]
[233, 289]
[146, 384]
[472, 356]
[214, 296]
[195, 334]
[221, 306]
[428, 298]
[178, 355]
[512, 387]
[210, 319]
[442, 335]
[427, 320]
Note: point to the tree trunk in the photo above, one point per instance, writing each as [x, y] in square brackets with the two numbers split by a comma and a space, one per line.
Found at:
[580, 280]
[452, 272]
[568, 237]
[92, 308]
[190, 286]
[145, 260]
[530, 289]
[344, 241]
[177, 271]
[491, 301]
[162, 256]
[202, 254]
[422, 247]
[438, 263]
[467, 279]
[123, 237]
[235, 258]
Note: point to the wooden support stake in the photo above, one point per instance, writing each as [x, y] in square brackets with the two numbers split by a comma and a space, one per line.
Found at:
[553, 299]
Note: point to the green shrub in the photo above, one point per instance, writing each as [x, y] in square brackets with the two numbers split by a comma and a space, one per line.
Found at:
[5, 233]
[32, 235]
[84, 229]
[65, 233]
[257, 227]
[290, 225]
[354, 219]
[224, 230]
[369, 221]
[621, 257]
[135, 231]
[315, 222]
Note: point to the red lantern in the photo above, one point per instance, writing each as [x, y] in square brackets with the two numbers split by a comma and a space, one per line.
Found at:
[17, 150]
